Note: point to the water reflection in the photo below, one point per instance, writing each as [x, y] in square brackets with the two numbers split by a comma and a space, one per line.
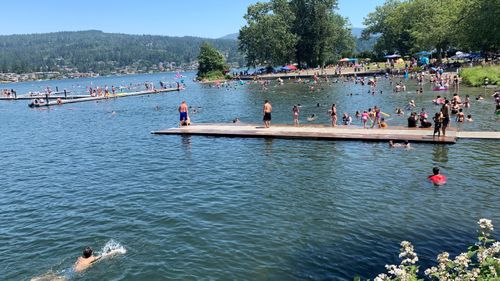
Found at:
[268, 146]
[186, 145]
[440, 153]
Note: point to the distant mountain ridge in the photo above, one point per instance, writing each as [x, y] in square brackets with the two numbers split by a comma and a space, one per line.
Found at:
[232, 36]
[103, 53]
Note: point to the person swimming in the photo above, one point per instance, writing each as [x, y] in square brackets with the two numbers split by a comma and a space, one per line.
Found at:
[312, 117]
[86, 260]
[392, 144]
[436, 178]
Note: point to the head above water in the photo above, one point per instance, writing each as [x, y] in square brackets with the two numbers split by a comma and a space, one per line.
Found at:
[87, 252]
[435, 170]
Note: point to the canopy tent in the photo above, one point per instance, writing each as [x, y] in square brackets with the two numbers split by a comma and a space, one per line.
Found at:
[394, 56]
[423, 53]
[348, 60]
[460, 55]
[289, 67]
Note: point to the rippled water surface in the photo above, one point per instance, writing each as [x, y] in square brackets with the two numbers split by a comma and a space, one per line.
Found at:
[202, 208]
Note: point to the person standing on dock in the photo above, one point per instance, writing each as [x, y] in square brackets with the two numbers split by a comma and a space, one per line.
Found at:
[267, 113]
[295, 111]
[333, 114]
[183, 112]
[445, 113]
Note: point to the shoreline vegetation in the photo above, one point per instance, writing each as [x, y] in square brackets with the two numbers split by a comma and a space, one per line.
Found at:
[481, 75]
[480, 262]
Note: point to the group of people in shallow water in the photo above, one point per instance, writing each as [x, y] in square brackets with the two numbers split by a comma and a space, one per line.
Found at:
[373, 115]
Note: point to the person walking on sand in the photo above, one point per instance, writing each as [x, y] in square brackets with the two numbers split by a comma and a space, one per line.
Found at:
[183, 112]
[267, 109]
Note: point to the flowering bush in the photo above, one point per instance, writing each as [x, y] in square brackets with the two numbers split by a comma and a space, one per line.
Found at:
[480, 262]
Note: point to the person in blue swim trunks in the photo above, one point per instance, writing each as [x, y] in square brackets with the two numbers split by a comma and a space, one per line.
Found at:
[183, 113]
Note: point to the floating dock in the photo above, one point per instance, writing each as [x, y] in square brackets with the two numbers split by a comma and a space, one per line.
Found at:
[111, 96]
[51, 97]
[322, 132]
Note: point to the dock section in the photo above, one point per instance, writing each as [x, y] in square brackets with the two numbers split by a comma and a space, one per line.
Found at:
[312, 132]
[111, 96]
[43, 97]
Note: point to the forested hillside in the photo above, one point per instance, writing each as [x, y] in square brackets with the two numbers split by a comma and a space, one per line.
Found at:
[99, 52]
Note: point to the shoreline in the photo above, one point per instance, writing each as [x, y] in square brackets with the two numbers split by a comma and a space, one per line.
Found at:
[97, 76]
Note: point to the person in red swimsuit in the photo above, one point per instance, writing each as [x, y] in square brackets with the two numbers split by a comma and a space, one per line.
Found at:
[437, 178]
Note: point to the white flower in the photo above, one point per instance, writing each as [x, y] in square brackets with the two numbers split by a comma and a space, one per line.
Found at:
[430, 271]
[443, 257]
[485, 225]
[462, 260]
[382, 277]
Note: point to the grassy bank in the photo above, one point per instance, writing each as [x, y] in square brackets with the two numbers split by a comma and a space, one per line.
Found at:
[212, 76]
[475, 76]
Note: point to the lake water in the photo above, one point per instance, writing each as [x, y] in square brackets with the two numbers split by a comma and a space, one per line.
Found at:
[203, 208]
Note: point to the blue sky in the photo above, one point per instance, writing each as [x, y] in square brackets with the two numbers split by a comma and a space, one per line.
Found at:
[203, 18]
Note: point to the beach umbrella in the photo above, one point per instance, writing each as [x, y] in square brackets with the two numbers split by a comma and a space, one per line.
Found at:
[344, 60]
[291, 67]
[285, 68]
[394, 56]
[423, 53]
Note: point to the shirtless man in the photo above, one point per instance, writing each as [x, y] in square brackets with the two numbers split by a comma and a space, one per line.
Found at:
[86, 260]
[267, 113]
[183, 112]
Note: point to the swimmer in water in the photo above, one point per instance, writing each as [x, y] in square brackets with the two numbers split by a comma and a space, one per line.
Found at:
[312, 117]
[406, 144]
[436, 178]
[86, 260]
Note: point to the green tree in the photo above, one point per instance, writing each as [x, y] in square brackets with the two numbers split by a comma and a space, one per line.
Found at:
[267, 38]
[279, 31]
[212, 64]
[412, 26]
[391, 22]
[322, 33]
[478, 27]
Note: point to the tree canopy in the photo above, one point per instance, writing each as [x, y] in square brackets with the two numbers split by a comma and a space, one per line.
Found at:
[212, 64]
[411, 26]
[308, 32]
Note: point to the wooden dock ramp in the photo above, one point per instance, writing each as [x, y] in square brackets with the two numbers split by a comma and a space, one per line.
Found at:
[111, 96]
[312, 132]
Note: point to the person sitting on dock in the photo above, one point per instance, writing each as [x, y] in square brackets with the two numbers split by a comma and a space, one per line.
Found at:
[346, 119]
[412, 120]
[183, 112]
[382, 124]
